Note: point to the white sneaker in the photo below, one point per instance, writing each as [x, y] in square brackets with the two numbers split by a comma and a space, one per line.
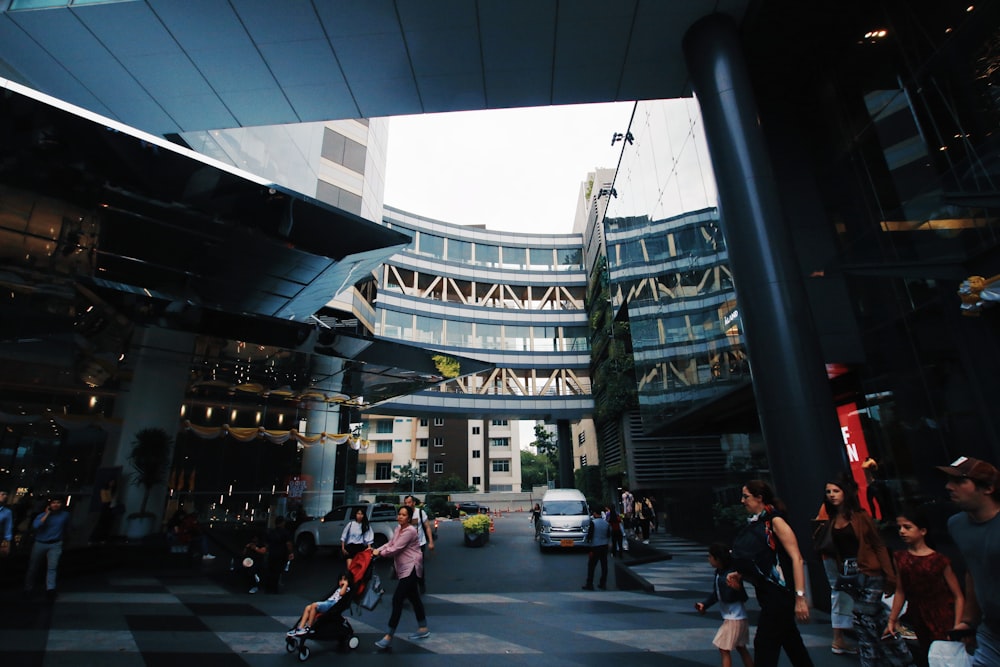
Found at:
[253, 590]
[208, 557]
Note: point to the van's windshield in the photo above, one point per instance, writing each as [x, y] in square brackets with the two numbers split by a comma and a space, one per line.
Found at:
[564, 508]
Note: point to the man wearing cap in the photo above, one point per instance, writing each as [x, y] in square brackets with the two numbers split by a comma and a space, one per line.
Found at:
[972, 485]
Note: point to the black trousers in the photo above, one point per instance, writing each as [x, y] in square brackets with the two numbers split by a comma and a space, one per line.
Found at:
[776, 629]
[598, 554]
[407, 589]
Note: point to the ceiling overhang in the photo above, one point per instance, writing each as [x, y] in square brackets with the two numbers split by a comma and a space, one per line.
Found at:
[170, 66]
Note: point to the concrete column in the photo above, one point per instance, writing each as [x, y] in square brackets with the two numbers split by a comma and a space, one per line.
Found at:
[794, 401]
[319, 461]
[565, 435]
[161, 361]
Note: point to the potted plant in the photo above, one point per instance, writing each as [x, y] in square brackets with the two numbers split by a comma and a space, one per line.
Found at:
[476, 529]
[149, 459]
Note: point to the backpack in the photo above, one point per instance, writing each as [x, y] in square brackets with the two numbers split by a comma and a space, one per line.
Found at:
[755, 553]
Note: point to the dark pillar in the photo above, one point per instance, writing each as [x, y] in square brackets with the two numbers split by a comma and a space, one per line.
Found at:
[797, 413]
[565, 435]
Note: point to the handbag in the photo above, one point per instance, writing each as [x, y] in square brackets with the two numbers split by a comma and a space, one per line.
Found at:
[373, 593]
[948, 654]
[849, 579]
[823, 539]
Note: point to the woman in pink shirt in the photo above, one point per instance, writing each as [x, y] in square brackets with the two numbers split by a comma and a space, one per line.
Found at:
[409, 563]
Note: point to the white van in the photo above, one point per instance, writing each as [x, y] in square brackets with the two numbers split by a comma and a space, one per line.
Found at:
[565, 519]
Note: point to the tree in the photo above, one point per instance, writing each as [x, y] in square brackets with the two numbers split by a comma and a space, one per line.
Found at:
[409, 478]
[450, 482]
[548, 446]
[534, 469]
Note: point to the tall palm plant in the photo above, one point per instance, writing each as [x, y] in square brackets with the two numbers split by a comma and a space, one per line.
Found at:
[149, 458]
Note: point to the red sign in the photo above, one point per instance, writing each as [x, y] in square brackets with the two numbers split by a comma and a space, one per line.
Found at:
[855, 445]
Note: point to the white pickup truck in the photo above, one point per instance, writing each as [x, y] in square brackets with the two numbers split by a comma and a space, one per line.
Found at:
[326, 532]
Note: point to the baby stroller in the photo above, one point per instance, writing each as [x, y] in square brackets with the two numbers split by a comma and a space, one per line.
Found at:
[332, 626]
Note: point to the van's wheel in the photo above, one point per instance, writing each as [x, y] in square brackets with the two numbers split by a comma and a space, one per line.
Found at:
[305, 545]
[353, 642]
[303, 654]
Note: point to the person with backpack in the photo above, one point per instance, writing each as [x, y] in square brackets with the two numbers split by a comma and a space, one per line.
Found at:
[424, 533]
[766, 554]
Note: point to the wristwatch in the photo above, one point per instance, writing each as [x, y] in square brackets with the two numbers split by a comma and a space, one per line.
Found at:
[800, 594]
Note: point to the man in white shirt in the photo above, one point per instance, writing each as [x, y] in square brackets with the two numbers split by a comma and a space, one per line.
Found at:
[424, 532]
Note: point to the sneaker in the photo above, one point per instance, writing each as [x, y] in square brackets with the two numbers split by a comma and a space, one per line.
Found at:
[420, 635]
[208, 557]
[383, 644]
[253, 590]
[305, 630]
[844, 649]
[293, 632]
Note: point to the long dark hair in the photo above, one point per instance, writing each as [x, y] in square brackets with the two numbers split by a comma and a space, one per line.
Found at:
[851, 502]
[763, 490]
[364, 520]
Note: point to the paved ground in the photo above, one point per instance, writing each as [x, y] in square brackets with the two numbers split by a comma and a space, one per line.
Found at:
[481, 611]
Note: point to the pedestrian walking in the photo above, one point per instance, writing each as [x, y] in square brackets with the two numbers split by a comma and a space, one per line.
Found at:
[734, 634]
[409, 566]
[926, 583]
[50, 530]
[6, 525]
[765, 552]
[972, 485]
[598, 538]
[866, 567]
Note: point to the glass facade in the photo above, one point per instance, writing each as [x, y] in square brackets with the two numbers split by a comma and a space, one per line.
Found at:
[517, 303]
[900, 137]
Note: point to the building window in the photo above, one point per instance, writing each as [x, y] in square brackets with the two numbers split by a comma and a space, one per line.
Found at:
[439, 421]
[475, 430]
[384, 447]
[476, 481]
[383, 426]
[422, 467]
[383, 471]
[583, 460]
[422, 442]
[499, 442]
[501, 465]
[423, 421]
[476, 454]
[499, 422]
[438, 467]
[439, 442]
[582, 438]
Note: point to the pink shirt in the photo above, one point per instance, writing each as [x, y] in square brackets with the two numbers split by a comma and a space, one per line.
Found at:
[405, 546]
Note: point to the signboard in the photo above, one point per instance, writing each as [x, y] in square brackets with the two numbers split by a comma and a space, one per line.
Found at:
[855, 445]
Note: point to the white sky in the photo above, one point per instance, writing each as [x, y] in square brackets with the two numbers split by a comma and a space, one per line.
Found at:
[511, 169]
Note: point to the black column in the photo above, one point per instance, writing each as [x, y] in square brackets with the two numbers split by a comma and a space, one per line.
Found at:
[565, 435]
[794, 401]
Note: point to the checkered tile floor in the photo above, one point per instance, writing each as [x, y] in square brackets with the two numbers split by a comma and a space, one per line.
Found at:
[193, 619]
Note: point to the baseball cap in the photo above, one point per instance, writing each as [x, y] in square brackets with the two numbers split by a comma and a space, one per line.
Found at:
[974, 469]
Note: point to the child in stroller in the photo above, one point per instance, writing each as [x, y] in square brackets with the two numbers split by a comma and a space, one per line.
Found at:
[315, 609]
[323, 620]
